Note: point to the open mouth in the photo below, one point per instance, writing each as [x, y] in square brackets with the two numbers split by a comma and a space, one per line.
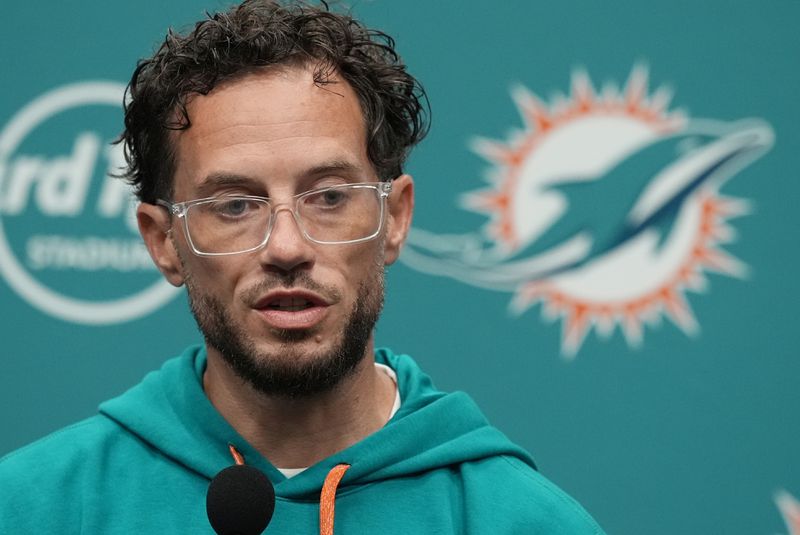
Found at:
[292, 310]
[290, 304]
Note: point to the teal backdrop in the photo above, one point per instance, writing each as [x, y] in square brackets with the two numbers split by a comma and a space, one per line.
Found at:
[654, 375]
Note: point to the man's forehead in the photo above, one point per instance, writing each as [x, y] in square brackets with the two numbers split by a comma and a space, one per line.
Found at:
[260, 119]
[277, 98]
[303, 80]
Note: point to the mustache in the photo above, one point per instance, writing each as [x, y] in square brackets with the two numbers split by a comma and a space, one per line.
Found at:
[295, 280]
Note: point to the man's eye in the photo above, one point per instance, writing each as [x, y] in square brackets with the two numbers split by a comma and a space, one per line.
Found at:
[330, 198]
[234, 207]
[333, 197]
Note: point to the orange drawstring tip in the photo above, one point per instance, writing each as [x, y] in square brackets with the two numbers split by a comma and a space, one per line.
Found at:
[238, 458]
[327, 499]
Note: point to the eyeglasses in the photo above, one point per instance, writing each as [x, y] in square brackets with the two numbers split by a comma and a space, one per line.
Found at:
[233, 224]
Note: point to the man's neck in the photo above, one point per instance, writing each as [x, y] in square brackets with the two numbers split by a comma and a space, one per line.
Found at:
[296, 433]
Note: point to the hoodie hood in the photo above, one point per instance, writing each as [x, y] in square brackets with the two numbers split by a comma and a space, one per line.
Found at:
[170, 412]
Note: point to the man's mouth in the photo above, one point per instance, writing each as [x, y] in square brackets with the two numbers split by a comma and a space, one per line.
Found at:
[292, 309]
[290, 304]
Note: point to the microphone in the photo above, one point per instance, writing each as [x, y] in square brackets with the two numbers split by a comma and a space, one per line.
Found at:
[240, 501]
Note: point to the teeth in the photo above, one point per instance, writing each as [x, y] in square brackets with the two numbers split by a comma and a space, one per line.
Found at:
[290, 304]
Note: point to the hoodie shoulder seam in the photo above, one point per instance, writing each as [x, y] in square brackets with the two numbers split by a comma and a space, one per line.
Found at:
[48, 438]
[557, 493]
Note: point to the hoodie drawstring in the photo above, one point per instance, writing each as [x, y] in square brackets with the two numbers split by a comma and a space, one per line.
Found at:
[238, 458]
[327, 498]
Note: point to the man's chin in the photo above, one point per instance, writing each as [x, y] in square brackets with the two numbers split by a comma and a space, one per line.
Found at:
[288, 336]
[293, 371]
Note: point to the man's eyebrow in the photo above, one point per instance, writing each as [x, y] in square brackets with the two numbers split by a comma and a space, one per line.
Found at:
[333, 166]
[215, 181]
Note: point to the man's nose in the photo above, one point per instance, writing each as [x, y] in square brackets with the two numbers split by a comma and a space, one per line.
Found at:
[287, 248]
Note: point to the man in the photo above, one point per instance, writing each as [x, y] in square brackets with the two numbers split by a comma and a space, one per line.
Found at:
[266, 147]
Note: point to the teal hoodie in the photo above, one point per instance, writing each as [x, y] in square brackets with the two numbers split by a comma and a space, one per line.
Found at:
[144, 463]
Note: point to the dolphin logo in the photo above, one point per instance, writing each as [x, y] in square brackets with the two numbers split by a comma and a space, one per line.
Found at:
[649, 188]
[572, 222]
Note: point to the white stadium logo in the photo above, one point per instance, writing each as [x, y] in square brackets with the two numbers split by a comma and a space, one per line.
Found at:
[79, 219]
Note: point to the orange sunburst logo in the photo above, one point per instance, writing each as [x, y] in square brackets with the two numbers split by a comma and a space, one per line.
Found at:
[605, 208]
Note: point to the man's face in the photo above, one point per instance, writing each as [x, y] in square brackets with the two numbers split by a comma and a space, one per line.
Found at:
[294, 317]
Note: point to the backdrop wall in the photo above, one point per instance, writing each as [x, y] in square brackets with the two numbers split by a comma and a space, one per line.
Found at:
[603, 254]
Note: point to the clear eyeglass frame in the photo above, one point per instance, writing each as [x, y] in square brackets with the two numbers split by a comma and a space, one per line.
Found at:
[181, 209]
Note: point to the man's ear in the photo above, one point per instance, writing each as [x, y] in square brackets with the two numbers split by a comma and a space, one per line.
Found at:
[398, 220]
[155, 227]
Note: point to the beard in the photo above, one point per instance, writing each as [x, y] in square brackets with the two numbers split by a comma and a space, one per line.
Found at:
[286, 371]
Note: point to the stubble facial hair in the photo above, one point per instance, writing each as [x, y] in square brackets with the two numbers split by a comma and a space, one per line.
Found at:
[283, 372]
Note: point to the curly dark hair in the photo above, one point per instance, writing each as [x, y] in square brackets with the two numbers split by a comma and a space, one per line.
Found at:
[261, 33]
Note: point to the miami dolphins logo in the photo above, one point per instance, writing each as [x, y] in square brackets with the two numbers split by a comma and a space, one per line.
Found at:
[605, 209]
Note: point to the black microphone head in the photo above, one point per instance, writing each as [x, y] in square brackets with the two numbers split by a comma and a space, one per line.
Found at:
[240, 501]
